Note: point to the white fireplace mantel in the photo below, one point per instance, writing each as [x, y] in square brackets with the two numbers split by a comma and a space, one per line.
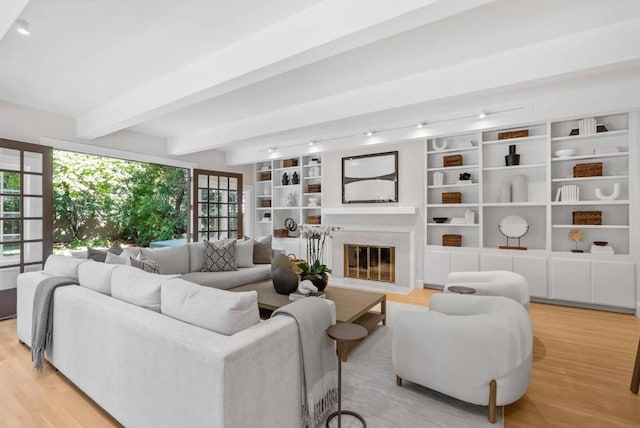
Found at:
[370, 210]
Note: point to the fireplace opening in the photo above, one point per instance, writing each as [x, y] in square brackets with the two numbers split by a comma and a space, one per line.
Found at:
[370, 262]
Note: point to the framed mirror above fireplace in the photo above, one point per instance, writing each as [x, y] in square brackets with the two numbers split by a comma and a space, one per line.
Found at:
[370, 178]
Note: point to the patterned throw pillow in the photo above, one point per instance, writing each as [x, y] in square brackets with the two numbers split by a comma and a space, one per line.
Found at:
[147, 265]
[219, 256]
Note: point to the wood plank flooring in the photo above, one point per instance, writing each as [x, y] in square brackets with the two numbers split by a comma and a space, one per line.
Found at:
[583, 361]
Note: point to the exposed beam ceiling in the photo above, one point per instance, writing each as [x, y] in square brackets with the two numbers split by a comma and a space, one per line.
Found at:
[236, 76]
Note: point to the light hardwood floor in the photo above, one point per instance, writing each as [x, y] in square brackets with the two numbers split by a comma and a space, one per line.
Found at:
[582, 367]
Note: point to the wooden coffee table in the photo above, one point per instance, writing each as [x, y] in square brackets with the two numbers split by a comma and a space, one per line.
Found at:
[352, 306]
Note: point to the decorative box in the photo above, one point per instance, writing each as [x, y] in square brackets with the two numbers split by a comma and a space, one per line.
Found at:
[314, 188]
[289, 163]
[265, 203]
[265, 176]
[452, 240]
[451, 197]
[588, 169]
[281, 233]
[587, 217]
[513, 134]
[313, 219]
[452, 160]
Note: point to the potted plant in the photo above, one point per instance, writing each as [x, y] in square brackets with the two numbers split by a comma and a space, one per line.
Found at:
[313, 268]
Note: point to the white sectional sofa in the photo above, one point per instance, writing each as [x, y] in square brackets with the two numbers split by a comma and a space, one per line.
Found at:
[148, 369]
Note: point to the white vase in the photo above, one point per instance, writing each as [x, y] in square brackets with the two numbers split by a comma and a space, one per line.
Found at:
[505, 193]
[519, 188]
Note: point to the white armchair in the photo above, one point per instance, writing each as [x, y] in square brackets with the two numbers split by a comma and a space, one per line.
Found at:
[477, 349]
[493, 283]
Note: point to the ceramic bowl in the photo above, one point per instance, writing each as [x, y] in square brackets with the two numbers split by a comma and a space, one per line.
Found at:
[565, 153]
[440, 219]
[600, 243]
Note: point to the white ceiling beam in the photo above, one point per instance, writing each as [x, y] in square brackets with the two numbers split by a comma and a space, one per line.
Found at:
[321, 31]
[606, 47]
[10, 10]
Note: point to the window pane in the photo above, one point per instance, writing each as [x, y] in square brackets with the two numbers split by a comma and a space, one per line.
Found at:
[213, 224]
[224, 182]
[224, 210]
[203, 224]
[233, 224]
[204, 195]
[233, 183]
[10, 182]
[32, 230]
[233, 210]
[9, 206]
[213, 181]
[33, 268]
[224, 224]
[32, 207]
[233, 235]
[223, 235]
[10, 159]
[213, 210]
[213, 196]
[202, 181]
[224, 196]
[202, 210]
[9, 230]
[32, 252]
[233, 197]
[33, 162]
[32, 184]
[9, 254]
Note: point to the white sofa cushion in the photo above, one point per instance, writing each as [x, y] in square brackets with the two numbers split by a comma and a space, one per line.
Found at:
[196, 256]
[96, 276]
[63, 266]
[171, 260]
[232, 279]
[138, 287]
[244, 253]
[224, 312]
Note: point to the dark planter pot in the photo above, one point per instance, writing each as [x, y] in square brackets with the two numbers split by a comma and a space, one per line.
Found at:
[512, 158]
[321, 283]
[285, 281]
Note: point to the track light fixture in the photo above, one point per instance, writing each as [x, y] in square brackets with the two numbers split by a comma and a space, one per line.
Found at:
[22, 27]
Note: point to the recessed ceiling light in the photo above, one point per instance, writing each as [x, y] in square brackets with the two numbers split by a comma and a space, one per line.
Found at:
[369, 133]
[421, 125]
[271, 149]
[482, 115]
[22, 27]
[311, 143]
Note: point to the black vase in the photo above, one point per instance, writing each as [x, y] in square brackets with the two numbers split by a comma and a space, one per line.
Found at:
[285, 281]
[295, 179]
[321, 283]
[285, 179]
[512, 158]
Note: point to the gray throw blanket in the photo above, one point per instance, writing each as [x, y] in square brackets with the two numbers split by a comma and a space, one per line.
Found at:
[42, 317]
[318, 360]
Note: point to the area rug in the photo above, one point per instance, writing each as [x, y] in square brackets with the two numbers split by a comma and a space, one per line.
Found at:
[369, 388]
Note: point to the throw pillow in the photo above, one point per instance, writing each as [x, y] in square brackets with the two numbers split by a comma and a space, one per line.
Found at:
[219, 257]
[112, 259]
[116, 249]
[244, 253]
[96, 255]
[262, 250]
[147, 265]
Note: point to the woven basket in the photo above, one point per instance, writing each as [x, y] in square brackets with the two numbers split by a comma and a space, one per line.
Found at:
[313, 219]
[314, 188]
[281, 233]
[587, 217]
[452, 240]
[265, 176]
[289, 163]
[265, 203]
[453, 160]
[294, 263]
[513, 134]
[588, 169]
[451, 197]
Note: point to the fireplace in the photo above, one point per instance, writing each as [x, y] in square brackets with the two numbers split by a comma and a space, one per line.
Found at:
[370, 262]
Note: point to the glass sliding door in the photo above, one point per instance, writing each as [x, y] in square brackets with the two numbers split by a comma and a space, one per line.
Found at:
[25, 215]
[218, 205]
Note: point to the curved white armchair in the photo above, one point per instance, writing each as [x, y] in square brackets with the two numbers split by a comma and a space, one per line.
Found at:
[475, 348]
[493, 283]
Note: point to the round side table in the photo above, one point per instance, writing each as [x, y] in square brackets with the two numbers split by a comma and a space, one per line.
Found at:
[344, 333]
[460, 289]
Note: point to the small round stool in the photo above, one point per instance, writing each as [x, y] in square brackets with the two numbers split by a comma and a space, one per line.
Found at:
[461, 289]
[344, 333]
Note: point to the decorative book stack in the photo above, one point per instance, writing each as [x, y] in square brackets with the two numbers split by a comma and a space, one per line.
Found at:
[602, 250]
[297, 295]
